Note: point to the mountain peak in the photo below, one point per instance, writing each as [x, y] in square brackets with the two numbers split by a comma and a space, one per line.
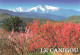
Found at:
[36, 9]
[42, 9]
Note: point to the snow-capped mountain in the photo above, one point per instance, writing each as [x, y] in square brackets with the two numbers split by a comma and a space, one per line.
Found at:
[48, 10]
[54, 10]
[33, 15]
[19, 9]
[36, 9]
[40, 9]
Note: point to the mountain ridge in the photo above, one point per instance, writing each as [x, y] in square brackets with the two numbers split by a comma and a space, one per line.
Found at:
[49, 10]
[33, 15]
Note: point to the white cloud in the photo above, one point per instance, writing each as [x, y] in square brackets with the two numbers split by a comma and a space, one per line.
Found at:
[51, 8]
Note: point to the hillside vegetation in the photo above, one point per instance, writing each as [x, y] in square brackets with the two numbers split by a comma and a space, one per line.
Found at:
[39, 33]
[75, 19]
[4, 16]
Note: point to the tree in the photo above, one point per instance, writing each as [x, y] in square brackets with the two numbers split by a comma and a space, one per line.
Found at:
[12, 23]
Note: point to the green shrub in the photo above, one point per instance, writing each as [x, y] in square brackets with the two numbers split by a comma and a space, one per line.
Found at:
[12, 23]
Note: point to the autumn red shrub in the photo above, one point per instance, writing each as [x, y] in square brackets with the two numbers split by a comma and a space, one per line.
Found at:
[47, 35]
[55, 35]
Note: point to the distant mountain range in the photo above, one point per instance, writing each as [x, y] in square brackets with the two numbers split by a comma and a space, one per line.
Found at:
[33, 15]
[54, 10]
[47, 12]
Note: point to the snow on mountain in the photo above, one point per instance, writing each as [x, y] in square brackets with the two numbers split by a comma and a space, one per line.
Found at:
[36, 8]
[48, 10]
[19, 9]
[12, 10]
[33, 15]
[42, 8]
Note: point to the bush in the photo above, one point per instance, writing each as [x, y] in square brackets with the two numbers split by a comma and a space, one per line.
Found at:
[48, 35]
[54, 35]
[12, 23]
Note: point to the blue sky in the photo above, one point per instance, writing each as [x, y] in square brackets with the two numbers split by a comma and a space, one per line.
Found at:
[66, 4]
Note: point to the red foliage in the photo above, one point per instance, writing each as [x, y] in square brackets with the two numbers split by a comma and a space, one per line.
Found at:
[65, 35]
[49, 35]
